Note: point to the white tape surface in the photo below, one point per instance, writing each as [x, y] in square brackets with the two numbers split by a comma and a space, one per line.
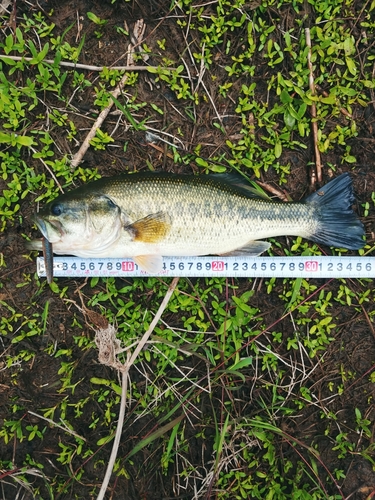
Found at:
[240, 267]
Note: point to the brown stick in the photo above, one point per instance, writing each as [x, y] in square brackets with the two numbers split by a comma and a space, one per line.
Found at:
[83, 66]
[98, 122]
[274, 191]
[316, 175]
[125, 370]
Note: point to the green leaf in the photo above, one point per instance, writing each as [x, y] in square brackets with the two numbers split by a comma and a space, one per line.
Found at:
[302, 110]
[108, 383]
[278, 149]
[331, 99]
[285, 97]
[155, 435]
[43, 53]
[33, 51]
[8, 60]
[123, 108]
[156, 108]
[5, 138]
[349, 47]
[201, 162]
[351, 66]
[8, 44]
[350, 159]
[348, 91]
[242, 363]
[240, 303]
[219, 169]
[325, 321]
[104, 440]
[24, 140]
[19, 36]
[368, 83]
[289, 120]
[296, 289]
[95, 19]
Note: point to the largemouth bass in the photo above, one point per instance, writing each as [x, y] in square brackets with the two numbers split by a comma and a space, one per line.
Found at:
[150, 215]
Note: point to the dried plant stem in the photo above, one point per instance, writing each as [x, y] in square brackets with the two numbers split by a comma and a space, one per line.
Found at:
[116, 442]
[125, 371]
[49, 170]
[82, 66]
[62, 427]
[274, 191]
[154, 322]
[98, 122]
[317, 174]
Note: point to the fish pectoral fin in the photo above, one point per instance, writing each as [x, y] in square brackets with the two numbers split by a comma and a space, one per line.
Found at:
[149, 263]
[251, 248]
[151, 229]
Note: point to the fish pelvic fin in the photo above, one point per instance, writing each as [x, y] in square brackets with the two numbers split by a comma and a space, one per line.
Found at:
[151, 229]
[338, 224]
[252, 248]
[34, 245]
[152, 264]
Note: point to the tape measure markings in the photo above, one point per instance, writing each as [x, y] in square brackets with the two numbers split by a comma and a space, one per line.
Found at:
[240, 267]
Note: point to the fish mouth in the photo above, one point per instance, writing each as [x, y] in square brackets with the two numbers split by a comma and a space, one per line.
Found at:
[41, 226]
[45, 228]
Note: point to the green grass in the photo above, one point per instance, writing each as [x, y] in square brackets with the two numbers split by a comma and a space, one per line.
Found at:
[245, 384]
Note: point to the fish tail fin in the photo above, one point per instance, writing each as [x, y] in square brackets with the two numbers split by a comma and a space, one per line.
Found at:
[338, 224]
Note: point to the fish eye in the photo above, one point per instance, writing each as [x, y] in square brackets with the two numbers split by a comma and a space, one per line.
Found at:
[56, 209]
[110, 203]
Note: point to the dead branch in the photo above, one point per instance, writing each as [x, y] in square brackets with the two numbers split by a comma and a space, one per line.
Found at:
[109, 347]
[98, 122]
[274, 191]
[317, 174]
[84, 66]
[137, 36]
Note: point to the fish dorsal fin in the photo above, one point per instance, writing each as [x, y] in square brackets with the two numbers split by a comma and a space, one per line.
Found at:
[251, 248]
[151, 229]
[152, 264]
[249, 188]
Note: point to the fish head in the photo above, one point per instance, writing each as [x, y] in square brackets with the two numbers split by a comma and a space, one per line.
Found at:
[75, 223]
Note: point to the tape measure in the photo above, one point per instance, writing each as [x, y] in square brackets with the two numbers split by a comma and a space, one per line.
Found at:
[237, 267]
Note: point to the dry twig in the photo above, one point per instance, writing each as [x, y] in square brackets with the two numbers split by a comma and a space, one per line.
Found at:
[64, 428]
[138, 33]
[274, 191]
[84, 66]
[109, 347]
[98, 122]
[49, 170]
[317, 174]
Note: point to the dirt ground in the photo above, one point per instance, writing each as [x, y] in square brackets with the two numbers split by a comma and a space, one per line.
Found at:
[37, 384]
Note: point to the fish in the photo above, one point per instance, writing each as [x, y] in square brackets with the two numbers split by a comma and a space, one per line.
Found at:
[146, 216]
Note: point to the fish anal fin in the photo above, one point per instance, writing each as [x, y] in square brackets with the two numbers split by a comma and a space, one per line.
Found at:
[152, 264]
[251, 248]
[151, 229]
